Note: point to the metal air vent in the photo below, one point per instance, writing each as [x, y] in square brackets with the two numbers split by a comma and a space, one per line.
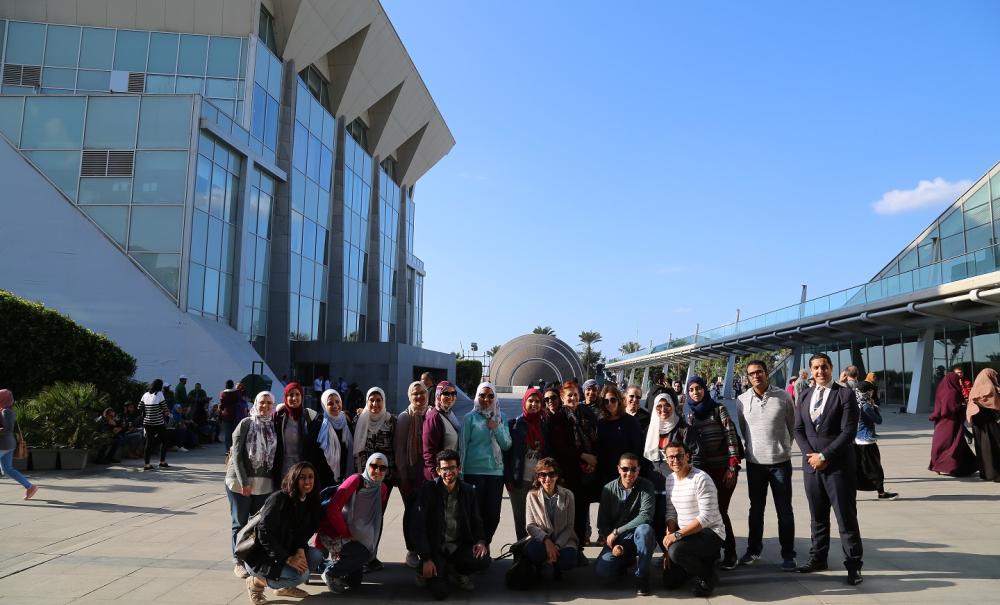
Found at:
[22, 75]
[107, 163]
[136, 82]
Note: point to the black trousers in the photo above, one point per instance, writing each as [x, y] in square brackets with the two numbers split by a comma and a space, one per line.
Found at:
[156, 435]
[836, 490]
[462, 561]
[692, 556]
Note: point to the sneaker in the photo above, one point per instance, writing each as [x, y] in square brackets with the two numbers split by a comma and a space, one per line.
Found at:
[642, 587]
[789, 565]
[373, 565]
[749, 558]
[31, 491]
[147, 467]
[811, 566]
[888, 496]
[461, 581]
[255, 593]
[164, 465]
[292, 591]
[412, 560]
[854, 577]
[240, 572]
[182, 449]
[702, 588]
[337, 585]
[729, 563]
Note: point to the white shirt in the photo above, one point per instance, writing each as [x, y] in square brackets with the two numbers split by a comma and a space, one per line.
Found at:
[318, 385]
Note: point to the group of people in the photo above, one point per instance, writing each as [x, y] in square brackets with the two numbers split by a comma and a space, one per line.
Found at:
[967, 413]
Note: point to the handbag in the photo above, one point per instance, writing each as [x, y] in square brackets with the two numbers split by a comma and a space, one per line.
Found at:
[522, 574]
[246, 538]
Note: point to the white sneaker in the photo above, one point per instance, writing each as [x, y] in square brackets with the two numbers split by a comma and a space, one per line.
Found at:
[182, 449]
[412, 560]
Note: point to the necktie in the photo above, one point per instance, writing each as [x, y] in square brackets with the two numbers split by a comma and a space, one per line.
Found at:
[815, 410]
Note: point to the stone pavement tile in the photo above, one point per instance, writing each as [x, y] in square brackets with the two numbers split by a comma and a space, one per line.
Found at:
[151, 588]
[27, 600]
[39, 581]
[118, 588]
[208, 592]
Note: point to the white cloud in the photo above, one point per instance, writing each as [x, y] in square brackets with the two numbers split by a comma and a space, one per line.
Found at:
[926, 193]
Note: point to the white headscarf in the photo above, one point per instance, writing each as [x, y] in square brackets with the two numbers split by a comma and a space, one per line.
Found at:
[327, 439]
[492, 414]
[369, 423]
[657, 427]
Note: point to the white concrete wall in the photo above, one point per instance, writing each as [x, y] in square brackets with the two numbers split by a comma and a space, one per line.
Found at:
[51, 253]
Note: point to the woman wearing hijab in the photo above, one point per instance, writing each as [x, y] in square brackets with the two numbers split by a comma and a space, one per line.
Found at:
[409, 454]
[441, 427]
[249, 475]
[484, 438]
[550, 520]
[718, 453]
[375, 434]
[950, 454]
[983, 414]
[666, 427]
[335, 440]
[527, 447]
[351, 528]
[297, 428]
[8, 443]
[283, 558]
[617, 433]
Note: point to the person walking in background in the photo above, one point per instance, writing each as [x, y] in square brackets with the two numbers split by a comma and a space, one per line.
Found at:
[250, 474]
[441, 427]
[428, 381]
[801, 384]
[549, 520]
[950, 454]
[790, 389]
[153, 408]
[8, 443]
[180, 393]
[527, 438]
[871, 477]
[624, 524]
[767, 421]
[983, 413]
[484, 438]
[229, 403]
[409, 453]
[336, 442]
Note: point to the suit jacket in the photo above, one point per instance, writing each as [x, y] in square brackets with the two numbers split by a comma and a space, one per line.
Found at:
[834, 435]
[426, 526]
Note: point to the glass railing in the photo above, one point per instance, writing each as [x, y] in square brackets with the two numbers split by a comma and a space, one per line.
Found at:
[968, 265]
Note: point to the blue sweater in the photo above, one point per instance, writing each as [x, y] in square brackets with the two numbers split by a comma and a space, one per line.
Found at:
[475, 445]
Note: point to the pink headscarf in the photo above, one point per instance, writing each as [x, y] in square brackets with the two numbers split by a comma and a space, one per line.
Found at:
[6, 399]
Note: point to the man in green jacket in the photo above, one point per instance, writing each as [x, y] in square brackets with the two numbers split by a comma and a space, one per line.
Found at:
[624, 523]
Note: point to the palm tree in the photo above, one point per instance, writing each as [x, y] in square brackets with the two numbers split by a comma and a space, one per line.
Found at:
[630, 347]
[544, 330]
[493, 350]
[587, 339]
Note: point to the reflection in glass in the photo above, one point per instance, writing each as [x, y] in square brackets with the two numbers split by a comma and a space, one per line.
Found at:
[162, 54]
[105, 190]
[155, 228]
[131, 49]
[224, 57]
[160, 177]
[53, 123]
[25, 42]
[62, 45]
[196, 287]
[192, 55]
[97, 48]
[93, 81]
[11, 110]
[111, 122]
[113, 220]
[165, 269]
[62, 168]
[54, 77]
[165, 122]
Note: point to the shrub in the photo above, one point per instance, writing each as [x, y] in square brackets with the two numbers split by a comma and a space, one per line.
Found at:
[468, 374]
[39, 346]
[64, 415]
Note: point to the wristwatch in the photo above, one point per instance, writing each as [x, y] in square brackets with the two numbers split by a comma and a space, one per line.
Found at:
[678, 535]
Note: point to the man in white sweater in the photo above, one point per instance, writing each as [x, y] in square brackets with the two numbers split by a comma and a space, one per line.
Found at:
[695, 532]
[767, 420]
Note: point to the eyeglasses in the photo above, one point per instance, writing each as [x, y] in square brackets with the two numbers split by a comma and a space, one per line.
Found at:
[487, 396]
[448, 469]
[551, 398]
[755, 373]
[378, 467]
[677, 457]
[546, 474]
[611, 399]
[449, 393]
[629, 469]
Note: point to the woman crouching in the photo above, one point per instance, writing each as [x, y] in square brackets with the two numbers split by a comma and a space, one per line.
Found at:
[550, 515]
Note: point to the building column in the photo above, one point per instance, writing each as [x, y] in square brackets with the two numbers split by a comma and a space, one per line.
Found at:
[727, 382]
[921, 398]
[647, 380]
[692, 365]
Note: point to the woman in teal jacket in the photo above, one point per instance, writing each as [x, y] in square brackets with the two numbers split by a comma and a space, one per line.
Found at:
[485, 436]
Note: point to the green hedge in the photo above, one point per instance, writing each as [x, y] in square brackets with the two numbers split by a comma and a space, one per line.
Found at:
[39, 346]
[468, 374]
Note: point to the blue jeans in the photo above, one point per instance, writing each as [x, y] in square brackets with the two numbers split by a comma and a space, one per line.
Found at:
[7, 466]
[240, 509]
[289, 576]
[638, 543]
[779, 478]
[565, 561]
[228, 426]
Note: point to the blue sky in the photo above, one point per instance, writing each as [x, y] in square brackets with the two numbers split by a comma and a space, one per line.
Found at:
[636, 168]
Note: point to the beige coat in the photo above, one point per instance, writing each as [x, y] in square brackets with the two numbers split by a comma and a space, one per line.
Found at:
[560, 529]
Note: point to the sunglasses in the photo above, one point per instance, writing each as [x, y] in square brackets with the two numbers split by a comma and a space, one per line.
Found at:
[487, 396]
[449, 393]
[546, 474]
[551, 399]
[611, 399]
[629, 469]
[378, 467]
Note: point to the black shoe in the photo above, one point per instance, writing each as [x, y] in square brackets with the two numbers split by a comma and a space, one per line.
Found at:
[642, 587]
[811, 566]
[581, 559]
[373, 565]
[854, 577]
[702, 588]
[888, 496]
[729, 563]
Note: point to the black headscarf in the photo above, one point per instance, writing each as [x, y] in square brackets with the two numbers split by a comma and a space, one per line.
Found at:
[701, 409]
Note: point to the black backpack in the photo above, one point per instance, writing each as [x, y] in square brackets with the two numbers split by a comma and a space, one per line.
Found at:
[522, 574]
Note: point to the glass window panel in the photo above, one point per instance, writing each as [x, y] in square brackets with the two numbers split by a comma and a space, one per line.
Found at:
[328, 125]
[995, 187]
[213, 254]
[97, 48]
[980, 197]
[225, 295]
[951, 224]
[211, 298]
[62, 44]
[926, 254]
[261, 64]
[296, 233]
[105, 190]
[312, 197]
[260, 266]
[113, 220]
[192, 54]
[977, 215]
[93, 81]
[62, 168]
[215, 87]
[296, 273]
[55, 77]
[196, 287]
[225, 106]
[307, 277]
[979, 237]
[323, 209]
[111, 123]
[306, 318]
[218, 204]
[952, 246]
[162, 54]
[25, 43]
[309, 239]
[189, 85]
[325, 167]
[203, 184]
[19, 90]
[228, 248]
[130, 50]
[160, 177]
[274, 73]
[293, 317]
[259, 108]
[312, 161]
[271, 124]
[264, 216]
[224, 57]
[155, 228]
[165, 122]
[53, 123]
[232, 190]
[199, 236]
[11, 110]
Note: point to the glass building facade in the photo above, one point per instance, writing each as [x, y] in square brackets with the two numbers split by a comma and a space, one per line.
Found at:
[357, 208]
[255, 259]
[389, 201]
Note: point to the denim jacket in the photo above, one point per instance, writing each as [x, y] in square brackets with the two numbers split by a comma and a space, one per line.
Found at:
[867, 419]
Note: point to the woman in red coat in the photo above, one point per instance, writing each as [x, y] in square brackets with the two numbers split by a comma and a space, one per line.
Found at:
[950, 454]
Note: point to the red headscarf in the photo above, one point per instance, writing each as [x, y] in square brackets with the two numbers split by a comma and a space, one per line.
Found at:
[535, 438]
[6, 399]
[295, 413]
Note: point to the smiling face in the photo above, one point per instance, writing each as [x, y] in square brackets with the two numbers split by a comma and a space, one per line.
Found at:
[590, 395]
[448, 471]
[633, 397]
[418, 397]
[570, 398]
[334, 405]
[376, 403]
[547, 477]
[265, 406]
[696, 392]
[821, 371]
[677, 459]
[294, 398]
[486, 397]
[534, 404]
[612, 406]
[306, 481]
[628, 472]
[664, 410]
[552, 402]
[446, 400]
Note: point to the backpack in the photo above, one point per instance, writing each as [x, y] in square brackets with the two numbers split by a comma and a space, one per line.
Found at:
[522, 574]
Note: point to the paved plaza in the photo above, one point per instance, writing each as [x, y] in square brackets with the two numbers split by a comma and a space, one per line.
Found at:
[124, 536]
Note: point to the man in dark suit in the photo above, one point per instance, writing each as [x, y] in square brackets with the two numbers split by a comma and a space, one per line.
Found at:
[825, 424]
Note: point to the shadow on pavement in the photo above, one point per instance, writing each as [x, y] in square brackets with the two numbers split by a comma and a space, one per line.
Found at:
[105, 507]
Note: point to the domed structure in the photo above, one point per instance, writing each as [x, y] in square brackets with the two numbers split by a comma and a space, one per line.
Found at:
[527, 359]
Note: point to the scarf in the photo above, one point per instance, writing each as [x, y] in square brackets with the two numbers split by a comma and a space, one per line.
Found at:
[491, 414]
[535, 439]
[984, 393]
[295, 413]
[659, 427]
[580, 427]
[450, 414]
[704, 408]
[369, 423]
[328, 441]
[262, 441]
[414, 443]
[365, 515]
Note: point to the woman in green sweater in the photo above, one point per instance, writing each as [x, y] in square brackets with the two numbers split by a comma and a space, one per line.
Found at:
[485, 436]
